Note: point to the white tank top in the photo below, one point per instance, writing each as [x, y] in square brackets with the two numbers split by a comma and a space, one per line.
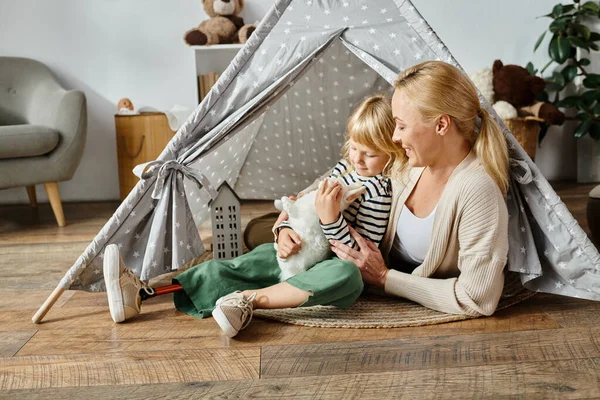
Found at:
[413, 236]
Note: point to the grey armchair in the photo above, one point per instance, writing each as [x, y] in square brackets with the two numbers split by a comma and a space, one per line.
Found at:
[42, 130]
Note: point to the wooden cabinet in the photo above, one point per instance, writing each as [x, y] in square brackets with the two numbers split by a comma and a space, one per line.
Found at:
[140, 138]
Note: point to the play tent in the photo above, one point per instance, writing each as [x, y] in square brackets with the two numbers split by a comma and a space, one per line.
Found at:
[275, 121]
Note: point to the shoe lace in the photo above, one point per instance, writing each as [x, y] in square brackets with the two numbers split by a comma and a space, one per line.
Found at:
[245, 305]
[144, 286]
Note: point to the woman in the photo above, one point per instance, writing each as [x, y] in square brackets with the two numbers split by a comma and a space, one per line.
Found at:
[446, 242]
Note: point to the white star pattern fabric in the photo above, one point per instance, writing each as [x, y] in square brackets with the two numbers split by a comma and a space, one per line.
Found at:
[276, 119]
[301, 135]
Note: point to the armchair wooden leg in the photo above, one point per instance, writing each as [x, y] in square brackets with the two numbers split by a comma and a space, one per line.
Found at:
[54, 197]
[32, 196]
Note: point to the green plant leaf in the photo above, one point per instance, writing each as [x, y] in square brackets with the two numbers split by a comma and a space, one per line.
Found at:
[582, 107]
[579, 42]
[542, 96]
[559, 49]
[557, 10]
[539, 41]
[530, 68]
[569, 72]
[596, 110]
[582, 30]
[558, 25]
[590, 96]
[592, 81]
[584, 62]
[559, 80]
[595, 131]
[582, 128]
[570, 101]
[594, 46]
[590, 6]
[568, 8]
[594, 36]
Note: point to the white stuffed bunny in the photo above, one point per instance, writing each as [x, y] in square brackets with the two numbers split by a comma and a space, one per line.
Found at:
[303, 219]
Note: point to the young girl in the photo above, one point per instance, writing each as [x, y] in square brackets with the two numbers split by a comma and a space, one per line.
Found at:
[232, 289]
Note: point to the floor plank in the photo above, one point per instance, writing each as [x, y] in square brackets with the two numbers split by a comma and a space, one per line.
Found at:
[19, 224]
[29, 299]
[170, 330]
[36, 266]
[429, 353]
[572, 379]
[11, 342]
[129, 368]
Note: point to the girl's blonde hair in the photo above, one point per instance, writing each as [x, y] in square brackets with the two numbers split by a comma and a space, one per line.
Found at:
[372, 125]
[437, 88]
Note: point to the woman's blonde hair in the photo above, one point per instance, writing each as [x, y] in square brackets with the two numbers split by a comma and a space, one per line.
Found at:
[372, 125]
[437, 88]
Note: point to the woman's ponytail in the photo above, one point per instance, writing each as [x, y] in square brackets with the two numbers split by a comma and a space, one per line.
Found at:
[491, 149]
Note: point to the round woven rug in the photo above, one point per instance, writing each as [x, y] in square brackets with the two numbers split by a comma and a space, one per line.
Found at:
[374, 310]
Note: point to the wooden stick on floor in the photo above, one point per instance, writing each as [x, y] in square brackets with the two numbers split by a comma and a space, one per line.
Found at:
[41, 313]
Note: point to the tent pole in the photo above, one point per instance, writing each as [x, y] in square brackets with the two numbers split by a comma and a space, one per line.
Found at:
[39, 315]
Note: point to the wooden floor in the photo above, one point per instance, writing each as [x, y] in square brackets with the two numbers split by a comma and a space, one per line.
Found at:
[545, 347]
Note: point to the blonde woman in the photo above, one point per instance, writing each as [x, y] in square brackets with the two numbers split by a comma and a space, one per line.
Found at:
[230, 290]
[446, 243]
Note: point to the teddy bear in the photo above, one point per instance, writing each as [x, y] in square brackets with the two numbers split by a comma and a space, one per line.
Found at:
[304, 220]
[512, 91]
[223, 26]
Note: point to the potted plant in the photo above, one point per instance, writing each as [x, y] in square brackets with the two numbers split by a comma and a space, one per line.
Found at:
[569, 47]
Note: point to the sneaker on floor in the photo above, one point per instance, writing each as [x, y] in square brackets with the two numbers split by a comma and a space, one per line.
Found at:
[234, 312]
[122, 286]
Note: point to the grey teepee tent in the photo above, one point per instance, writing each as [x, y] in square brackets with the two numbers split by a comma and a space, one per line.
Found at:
[275, 120]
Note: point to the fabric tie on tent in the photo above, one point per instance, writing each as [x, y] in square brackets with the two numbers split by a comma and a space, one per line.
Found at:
[162, 170]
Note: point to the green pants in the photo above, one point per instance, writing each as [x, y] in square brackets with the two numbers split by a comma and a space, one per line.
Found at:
[332, 282]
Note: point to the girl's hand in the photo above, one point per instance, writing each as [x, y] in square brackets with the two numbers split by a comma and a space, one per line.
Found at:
[288, 243]
[327, 201]
[368, 259]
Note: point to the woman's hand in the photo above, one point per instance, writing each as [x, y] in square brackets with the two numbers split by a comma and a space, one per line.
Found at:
[327, 201]
[368, 260]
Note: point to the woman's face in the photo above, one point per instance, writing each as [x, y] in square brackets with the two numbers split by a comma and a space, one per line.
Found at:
[418, 138]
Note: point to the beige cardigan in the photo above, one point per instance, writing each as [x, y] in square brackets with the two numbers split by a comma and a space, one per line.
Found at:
[463, 271]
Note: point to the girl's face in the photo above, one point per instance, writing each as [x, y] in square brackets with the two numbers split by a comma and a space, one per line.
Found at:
[418, 138]
[366, 161]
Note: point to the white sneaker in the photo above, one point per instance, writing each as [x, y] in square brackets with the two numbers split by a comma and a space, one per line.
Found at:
[234, 312]
[122, 286]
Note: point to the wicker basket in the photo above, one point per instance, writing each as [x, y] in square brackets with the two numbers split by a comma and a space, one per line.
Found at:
[526, 131]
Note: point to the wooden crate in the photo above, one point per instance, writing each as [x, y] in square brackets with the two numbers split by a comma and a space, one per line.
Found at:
[140, 138]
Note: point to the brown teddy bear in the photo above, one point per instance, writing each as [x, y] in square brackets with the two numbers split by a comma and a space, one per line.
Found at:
[515, 85]
[224, 25]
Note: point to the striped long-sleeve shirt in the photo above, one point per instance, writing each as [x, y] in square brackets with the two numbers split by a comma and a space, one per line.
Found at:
[368, 214]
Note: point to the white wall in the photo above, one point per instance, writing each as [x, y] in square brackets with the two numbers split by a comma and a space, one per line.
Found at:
[479, 32]
[117, 48]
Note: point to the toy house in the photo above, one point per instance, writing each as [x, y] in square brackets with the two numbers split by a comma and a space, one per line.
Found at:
[226, 224]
